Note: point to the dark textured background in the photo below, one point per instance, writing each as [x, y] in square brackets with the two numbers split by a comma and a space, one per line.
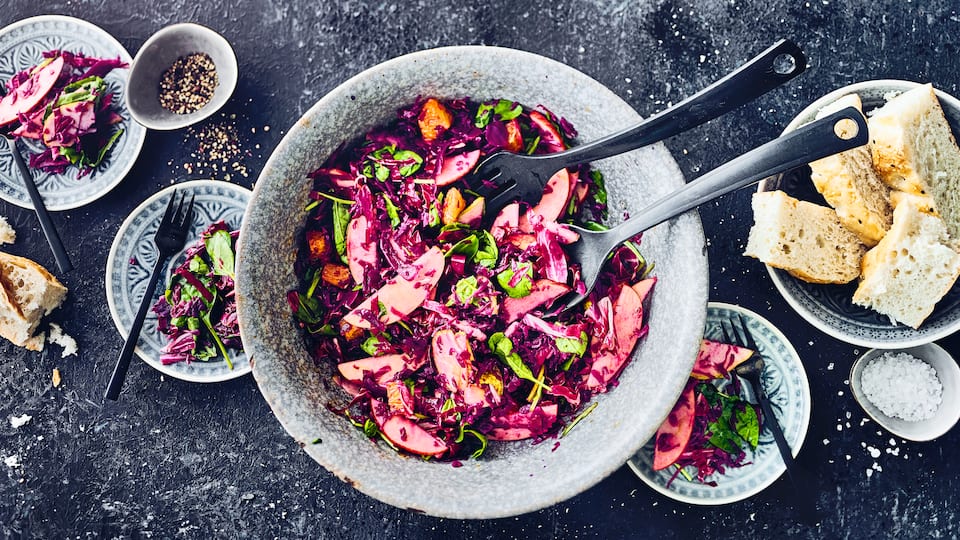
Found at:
[175, 459]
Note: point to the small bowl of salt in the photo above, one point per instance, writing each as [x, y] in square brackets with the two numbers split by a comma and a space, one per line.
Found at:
[913, 393]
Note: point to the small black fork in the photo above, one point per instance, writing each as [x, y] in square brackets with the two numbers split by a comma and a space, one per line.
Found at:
[170, 238]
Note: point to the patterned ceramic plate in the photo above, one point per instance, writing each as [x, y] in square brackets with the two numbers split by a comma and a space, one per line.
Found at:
[133, 255]
[830, 308]
[21, 46]
[786, 384]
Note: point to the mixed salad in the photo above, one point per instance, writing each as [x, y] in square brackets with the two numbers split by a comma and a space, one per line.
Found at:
[441, 328]
[198, 310]
[711, 426]
[64, 104]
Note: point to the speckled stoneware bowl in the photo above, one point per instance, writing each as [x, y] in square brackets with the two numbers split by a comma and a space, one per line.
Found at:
[157, 54]
[830, 308]
[511, 478]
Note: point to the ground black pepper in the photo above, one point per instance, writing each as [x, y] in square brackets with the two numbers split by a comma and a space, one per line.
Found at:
[188, 84]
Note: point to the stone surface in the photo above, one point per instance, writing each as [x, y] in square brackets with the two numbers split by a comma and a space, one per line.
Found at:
[175, 459]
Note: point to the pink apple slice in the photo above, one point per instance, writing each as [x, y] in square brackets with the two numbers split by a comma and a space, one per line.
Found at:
[550, 138]
[523, 424]
[30, 92]
[715, 359]
[674, 434]
[383, 368]
[361, 251]
[405, 433]
[473, 213]
[556, 195]
[644, 287]
[400, 295]
[628, 327]
[507, 220]
[456, 167]
[542, 292]
[453, 359]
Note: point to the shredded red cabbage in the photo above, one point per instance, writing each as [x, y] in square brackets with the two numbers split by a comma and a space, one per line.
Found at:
[64, 104]
[442, 331]
[198, 310]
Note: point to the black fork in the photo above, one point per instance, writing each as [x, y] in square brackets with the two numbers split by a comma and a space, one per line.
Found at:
[751, 371]
[170, 238]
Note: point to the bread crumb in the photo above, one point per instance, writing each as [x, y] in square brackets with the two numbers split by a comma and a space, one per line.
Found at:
[7, 234]
[56, 377]
[12, 461]
[58, 336]
[19, 421]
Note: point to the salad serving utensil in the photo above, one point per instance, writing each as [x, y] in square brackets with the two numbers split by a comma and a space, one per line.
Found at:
[169, 239]
[46, 224]
[832, 134]
[751, 371]
[504, 176]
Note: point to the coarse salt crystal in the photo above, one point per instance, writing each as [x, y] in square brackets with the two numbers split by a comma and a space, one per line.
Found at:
[902, 386]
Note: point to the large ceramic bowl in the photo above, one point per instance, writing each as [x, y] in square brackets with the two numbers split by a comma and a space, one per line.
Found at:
[830, 308]
[511, 478]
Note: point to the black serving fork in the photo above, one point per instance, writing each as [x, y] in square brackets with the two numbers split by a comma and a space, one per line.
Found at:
[170, 238]
[832, 134]
[751, 371]
[504, 176]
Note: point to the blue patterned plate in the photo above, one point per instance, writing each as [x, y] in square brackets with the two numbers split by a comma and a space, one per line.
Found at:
[785, 381]
[133, 255]
[21, 46]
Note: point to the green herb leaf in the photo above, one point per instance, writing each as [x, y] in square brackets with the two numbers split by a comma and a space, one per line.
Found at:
[748, 425]
[466, 289]
[574, 346]
[482, 118]
[370, 344]
[501, 346]
[406, 155]
[467, 247]
[370, 428]
[341, 220]
[487, 253]
[219, 246]
[507, 110]
[521, 286]
[392, 211]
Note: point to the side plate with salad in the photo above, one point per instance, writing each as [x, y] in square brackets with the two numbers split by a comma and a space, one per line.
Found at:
[786, 384]
[22, 45]
[133, 255]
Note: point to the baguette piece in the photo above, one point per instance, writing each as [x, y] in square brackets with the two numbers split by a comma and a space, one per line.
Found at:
[911, 269]
[805, 239]
[852, 187]
[28, 292]
[915, 151]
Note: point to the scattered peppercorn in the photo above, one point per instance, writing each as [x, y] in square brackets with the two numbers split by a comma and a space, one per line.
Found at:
[188, 85]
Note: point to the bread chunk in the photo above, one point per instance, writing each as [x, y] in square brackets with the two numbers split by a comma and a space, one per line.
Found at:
[910, 270]
[28, 292]
[915, 151]
[849, 183]
[805, 239]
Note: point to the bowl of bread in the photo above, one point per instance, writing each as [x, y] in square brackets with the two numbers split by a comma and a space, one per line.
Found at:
[865, 245]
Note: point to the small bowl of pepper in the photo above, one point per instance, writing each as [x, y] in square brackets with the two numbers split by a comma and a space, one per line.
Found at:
[181, 75]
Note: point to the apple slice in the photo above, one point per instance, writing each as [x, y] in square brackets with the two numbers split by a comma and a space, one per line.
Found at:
[383, 368]
[628, 327]
[550, 138]
[453, 359]
[507, 220]
[674, 434]
[473, 213]
[456, 167]
[361, 251]
[715, 360]
[30, 92]
[643, 287]
[405, 433]
[523, 424]
[556, 195]
[400, 295]
[82, 116]
[542, 292]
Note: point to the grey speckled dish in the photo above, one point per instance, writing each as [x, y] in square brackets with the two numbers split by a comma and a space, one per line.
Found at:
[511, 478]
[133, 255]
[21, 46]
[158, 53]
[785, 381]
[830, 308]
